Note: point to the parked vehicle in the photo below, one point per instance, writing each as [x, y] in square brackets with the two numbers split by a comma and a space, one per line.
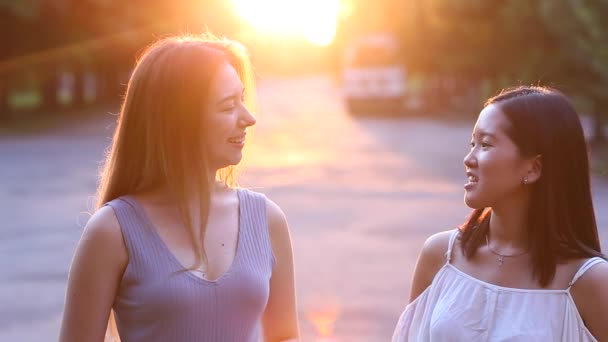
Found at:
[374, 75]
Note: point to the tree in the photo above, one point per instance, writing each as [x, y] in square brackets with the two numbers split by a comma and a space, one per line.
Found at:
[504, 43]
[584, 47]
[100, 36]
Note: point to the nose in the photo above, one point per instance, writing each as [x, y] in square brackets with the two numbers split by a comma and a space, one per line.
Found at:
[246, 119]
[470, 161]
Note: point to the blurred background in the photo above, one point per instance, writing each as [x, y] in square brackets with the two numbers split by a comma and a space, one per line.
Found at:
[365, 114]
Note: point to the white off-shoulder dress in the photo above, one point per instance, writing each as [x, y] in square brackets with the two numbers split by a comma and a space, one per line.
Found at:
[459, 307]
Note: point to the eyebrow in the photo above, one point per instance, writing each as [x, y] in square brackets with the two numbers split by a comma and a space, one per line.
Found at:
[226, 99]
[230, 97]
[484, 134]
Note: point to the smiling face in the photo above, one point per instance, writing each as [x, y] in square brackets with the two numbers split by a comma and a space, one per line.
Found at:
[227, 119]
[495, 169]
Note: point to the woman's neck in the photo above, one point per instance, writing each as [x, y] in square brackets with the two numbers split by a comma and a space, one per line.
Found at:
[509, 226]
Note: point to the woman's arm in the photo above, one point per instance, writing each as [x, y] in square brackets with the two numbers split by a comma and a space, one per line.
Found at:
[94, 277]
[431, 259]
[590, 293]
[280, 320]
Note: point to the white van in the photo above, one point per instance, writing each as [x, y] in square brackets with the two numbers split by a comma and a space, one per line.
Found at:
[374, 75]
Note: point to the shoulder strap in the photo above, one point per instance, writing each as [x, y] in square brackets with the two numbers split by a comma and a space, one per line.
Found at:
[252, 209]
[448, 254]
[587, 265]
[132, 223]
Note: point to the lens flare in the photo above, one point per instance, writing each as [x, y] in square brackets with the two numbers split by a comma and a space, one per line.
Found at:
[313, 20]
[323, 321]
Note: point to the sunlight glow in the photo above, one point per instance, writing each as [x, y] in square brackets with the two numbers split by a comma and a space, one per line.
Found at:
[324, 322]
[314, 20]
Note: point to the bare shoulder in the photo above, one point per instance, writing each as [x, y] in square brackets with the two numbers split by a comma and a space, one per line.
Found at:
[277, 222]
[590, 293]
[94, 277]
[431, 259]
[102, 237]
[280, 238]
[101, 248]
[435, 247]
[103, 225]
[594, 280]
[280, 320]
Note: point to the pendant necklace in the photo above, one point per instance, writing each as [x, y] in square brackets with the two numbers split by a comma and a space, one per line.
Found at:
[501, 257]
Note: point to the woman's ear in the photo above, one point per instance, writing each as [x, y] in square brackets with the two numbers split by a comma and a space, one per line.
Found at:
[535, 170]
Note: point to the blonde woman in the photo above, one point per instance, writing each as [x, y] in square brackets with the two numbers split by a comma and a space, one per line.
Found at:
[175, 251]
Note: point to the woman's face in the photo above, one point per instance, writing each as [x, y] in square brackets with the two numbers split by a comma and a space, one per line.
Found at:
[494, 167]
[227, 119]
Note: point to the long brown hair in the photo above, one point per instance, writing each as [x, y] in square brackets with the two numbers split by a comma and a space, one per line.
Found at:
[159, 138]
[561, 221]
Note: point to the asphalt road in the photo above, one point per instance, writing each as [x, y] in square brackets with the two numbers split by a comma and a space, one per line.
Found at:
[361, 195]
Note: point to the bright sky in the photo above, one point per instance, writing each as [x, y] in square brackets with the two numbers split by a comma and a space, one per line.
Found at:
[314, 20]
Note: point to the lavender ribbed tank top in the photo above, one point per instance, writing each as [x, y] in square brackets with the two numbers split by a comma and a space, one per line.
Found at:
[156, 302]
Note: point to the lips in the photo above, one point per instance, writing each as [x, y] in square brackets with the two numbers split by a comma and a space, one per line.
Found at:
[239, 139]
[472, 180]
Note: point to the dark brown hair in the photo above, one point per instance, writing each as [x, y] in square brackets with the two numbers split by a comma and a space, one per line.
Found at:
[561, 221]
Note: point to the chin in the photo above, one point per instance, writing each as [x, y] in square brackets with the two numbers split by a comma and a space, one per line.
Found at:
[233, 161]
[473, 203]
[226, 161]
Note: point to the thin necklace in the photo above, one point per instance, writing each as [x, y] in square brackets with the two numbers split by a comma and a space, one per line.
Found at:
[501, 257]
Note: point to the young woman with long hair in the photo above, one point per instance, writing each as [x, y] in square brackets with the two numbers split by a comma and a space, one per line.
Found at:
[175, 251]
[527, 264]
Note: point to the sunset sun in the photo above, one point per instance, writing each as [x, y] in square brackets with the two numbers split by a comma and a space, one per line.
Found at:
[313, 20]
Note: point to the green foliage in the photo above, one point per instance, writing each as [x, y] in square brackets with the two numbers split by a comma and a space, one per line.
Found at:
[584, 42]
[562, 43]
[27, 99]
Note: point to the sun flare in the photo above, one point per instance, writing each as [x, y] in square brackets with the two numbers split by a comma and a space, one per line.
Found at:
[324, 321]
[314, 20]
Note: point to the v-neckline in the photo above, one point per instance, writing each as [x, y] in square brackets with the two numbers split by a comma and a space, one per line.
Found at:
[144, 216]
